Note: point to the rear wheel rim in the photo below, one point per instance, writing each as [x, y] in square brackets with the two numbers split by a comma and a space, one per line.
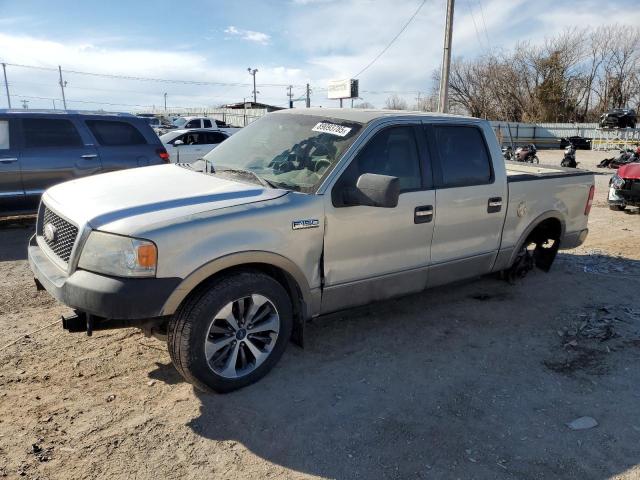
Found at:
[241, 336]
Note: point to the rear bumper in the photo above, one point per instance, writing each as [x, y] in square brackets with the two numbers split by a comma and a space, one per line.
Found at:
[573, 239]
[101, 295]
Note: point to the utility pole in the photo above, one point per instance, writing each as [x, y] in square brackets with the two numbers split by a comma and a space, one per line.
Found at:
[25, 104]
[290, 95]
[62, 85]
[443, 104]
[165, 102]
[308, 96]
[6, 84]
[253, 73]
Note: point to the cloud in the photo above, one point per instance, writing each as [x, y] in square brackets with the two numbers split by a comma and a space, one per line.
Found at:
[90, 55]
[249, 35]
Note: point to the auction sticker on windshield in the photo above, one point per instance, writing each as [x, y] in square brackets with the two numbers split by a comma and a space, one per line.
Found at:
[332, 128]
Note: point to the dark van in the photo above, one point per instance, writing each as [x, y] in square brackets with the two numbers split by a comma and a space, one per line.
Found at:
[39, 149]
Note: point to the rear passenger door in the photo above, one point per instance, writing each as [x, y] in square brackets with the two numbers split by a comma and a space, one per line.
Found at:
[54, 151]
[11, 190]
[120, 144]
[469, 214]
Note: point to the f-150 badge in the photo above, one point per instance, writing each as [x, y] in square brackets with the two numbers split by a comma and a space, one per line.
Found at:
[308, 223]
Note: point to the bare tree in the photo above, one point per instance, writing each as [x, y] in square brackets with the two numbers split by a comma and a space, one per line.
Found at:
[363, 105]
[395, 102]
[572, 76]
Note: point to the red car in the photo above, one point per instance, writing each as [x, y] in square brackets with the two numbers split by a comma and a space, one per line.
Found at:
[624, 187]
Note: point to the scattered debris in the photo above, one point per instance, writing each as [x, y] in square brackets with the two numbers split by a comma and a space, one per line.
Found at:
[598, 323]
[582, 423]
[599, 262]
[151, 383]
[110, 398]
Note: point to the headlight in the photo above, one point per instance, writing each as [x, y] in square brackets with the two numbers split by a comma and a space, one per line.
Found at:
[617, 182]
[120, 256]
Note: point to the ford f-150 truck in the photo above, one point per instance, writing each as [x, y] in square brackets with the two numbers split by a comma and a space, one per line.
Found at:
[302, 213]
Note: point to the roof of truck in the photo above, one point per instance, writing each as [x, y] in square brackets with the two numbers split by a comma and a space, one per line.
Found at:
[364, 115]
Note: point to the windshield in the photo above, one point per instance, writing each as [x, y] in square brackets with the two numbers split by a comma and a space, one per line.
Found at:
[180, 121]
[288, 151]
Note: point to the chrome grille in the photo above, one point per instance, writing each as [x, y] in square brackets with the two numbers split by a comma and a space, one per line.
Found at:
[65, 234]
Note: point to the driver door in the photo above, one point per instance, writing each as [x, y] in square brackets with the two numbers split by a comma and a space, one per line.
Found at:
[374, 253]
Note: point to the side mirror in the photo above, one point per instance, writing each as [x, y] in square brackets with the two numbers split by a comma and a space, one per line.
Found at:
[177, 143]
[374, 191]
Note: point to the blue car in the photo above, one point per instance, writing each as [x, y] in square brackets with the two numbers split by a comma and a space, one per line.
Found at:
[39, 149]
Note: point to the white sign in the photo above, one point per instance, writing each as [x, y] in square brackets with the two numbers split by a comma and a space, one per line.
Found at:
[332, 128]
[342, 89]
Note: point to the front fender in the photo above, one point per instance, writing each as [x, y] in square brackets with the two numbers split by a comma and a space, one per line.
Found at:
[310, 297]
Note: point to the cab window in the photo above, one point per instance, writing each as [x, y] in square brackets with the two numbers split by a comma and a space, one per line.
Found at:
[391, 152]
[464, 160]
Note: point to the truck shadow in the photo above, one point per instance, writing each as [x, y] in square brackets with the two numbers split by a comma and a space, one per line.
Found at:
[15, 234]
[448, 383]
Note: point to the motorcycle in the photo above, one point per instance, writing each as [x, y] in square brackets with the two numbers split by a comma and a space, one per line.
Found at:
[569, 159]
[527, 154]
[625, 156]
[507, 153]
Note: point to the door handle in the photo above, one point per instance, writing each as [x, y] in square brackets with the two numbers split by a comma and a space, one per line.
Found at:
[8, 160]
[494, 205]
[88, 155]
[423, 214]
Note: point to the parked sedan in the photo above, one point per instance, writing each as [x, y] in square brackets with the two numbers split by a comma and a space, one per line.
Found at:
[186, 146]
[581, 143]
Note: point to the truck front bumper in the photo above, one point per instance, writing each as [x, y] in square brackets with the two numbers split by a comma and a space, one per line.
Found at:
[101, 295]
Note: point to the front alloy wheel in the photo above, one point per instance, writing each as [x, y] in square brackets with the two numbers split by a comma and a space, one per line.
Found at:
[231, 331]
[241, 336]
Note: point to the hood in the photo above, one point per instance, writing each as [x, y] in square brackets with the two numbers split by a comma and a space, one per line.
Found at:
[630, 171]
[144, 196]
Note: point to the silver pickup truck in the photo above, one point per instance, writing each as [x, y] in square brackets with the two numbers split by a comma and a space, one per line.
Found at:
[302, 213]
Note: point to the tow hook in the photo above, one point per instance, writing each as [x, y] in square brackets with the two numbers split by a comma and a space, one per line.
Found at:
[86, 322]
[78, 322]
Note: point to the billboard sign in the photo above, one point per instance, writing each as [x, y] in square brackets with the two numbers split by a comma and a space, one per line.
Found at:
[347, 88]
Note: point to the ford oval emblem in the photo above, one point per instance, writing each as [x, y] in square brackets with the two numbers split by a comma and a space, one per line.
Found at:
[50, 232]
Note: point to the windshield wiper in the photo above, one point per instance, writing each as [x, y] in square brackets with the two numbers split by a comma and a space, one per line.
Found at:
[263, 181]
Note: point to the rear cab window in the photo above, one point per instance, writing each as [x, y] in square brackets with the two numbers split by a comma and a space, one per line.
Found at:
[207, 123]
[112, 133]
[463, 156]
[47, 133]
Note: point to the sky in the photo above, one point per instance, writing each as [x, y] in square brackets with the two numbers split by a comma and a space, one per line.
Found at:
[289, 42]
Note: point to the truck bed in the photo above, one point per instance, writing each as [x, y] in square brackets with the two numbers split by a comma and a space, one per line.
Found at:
[520, 172]
[535, 190]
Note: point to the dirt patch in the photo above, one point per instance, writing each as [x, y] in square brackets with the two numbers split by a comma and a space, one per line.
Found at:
[465, 381]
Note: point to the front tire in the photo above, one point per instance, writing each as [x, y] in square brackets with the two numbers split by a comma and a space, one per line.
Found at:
[231, 332]
[617, 208]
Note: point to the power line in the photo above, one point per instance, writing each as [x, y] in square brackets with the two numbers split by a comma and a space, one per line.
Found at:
[392, 40]
[484, 24]
[473, 19]
[149, 79]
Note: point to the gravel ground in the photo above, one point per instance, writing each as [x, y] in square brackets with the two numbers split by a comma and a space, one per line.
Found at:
[477, 380]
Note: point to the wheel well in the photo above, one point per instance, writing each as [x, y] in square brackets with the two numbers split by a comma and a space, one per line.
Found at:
[550, 228]
[545, 253]
[281, 276]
